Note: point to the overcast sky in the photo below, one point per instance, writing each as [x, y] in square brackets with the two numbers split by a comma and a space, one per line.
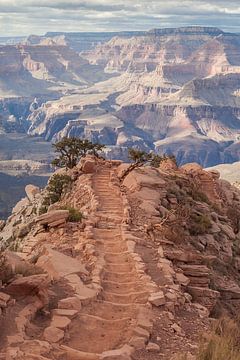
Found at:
[23, 17]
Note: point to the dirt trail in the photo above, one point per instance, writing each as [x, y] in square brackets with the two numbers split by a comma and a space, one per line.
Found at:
[108, 322]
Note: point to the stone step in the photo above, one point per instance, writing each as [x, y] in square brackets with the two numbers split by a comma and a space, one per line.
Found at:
[89, 334]
[140, 297]
[118, 276]
[109, 310]
[122, 288]
[117, 258]
[120, 268]
[73, 354]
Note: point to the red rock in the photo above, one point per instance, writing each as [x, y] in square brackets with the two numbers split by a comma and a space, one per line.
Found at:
[70, 303]
[28, 285]
[53, 335]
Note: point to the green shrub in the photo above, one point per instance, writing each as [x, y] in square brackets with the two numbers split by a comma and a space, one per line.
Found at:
[43, 209]
[200, 224]
[74, 214]
[57, 186]
[199, 196]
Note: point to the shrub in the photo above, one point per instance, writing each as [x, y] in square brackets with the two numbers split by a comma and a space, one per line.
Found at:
[199, 196]
[43, 209]
[156, 160]
[200, 224]
[58, 184]
[5, 270]
[70, 150]
[139, 158]
[74, 214]
[233, 213]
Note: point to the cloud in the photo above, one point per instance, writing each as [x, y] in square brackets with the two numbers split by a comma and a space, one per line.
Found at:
[31, 16]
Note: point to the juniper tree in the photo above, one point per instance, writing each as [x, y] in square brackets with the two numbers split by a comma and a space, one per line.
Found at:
[71, 150]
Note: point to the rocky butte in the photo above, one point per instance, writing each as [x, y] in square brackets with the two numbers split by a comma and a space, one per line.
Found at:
[124, 265]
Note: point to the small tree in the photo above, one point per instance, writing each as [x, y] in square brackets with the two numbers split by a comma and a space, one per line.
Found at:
[57, 185]
[71, 150]
[140, 158]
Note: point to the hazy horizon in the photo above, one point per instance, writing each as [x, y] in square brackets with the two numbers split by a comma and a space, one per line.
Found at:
[24, 17]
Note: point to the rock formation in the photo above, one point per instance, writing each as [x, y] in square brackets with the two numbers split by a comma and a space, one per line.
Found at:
[138, 277]
[168, 90]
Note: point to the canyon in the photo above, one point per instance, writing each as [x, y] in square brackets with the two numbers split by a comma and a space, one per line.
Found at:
[164, 90]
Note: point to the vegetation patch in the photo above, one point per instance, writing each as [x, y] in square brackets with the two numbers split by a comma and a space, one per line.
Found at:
[57, 186]
[199, 224]
[139, 158]
[223, 343]
[71, 150]
[199, 196]
[74, 214]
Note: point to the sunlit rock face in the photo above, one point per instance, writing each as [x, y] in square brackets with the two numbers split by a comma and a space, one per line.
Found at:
[166, 90]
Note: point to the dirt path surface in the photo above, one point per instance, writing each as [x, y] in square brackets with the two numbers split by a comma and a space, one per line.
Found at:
[108, 322]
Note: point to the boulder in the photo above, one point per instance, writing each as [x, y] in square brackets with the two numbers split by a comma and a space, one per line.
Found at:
[152, 347]
[53, 335]
[28, 285]
[168, 165]
[137, 342]
[36, 347]
[182, 279]
[215, 174]
[123, 353]
[65, 312]
[60, 322]
[140, 178]
[140, 332]
[177, 329]
[32, 191]
[157, 298]
[149, 208]
[195, 270]
[88, 165]
[191, 167]
[183, 256]
[204, 296]
[71, 303]
[58, 265]
[53, 218]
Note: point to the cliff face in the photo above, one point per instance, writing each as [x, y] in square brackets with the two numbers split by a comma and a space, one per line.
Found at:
[174, 90]
[155, 254]
[47, 69]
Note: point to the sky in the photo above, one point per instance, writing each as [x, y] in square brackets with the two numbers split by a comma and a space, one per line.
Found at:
[25, 17]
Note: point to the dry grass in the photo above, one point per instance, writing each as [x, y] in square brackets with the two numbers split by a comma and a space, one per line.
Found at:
[223, 343]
